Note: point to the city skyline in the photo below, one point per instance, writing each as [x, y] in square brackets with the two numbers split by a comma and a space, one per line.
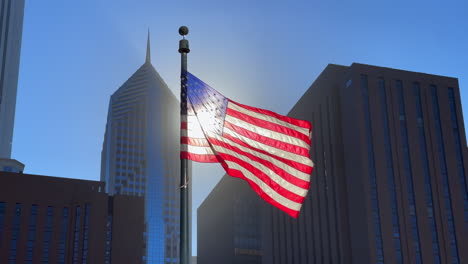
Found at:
[93, 49]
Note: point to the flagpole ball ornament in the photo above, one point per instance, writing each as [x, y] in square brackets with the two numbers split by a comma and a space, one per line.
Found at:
[183, 43]
[183, 31]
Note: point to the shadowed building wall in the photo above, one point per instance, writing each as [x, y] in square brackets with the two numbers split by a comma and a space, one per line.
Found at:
[389, 184]
[229, 224]
[57, 220]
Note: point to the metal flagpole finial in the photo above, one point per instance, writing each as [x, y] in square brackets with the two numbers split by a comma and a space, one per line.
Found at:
[183, 31]
[183, 43]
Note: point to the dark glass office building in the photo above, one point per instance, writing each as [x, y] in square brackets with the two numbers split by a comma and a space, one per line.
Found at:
[229, 227]
[140, 157]
[57, 220]
[389, 185]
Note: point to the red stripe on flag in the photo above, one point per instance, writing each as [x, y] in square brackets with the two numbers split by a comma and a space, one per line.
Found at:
[268, 125]
[297, 165]
[280, 172]
[264, 178]
[259, 191]
[199, 142]
[296, 122]
[268, 141]
[209, 158]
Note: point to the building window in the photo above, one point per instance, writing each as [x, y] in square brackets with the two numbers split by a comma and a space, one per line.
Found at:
[108, 239]
[31, 234]
[85, 234]
[76, 234]
[390, 171]
[372, 173]
[427, 176]
[47, 235]
[63, 236]
[458, 150]
[2, 215]
[15, 235]
[408, 173]
[443, 171]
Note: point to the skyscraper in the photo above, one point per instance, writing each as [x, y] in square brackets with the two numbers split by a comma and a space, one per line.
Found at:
[140, 156]
[390, 181]
[11, 29]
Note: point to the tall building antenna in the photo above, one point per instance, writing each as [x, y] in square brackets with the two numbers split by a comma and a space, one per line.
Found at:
[148, 49]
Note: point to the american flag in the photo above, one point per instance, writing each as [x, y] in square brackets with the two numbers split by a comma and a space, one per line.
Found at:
[268, 150]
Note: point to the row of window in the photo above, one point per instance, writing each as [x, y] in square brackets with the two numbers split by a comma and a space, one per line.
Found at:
[459, 151]
[132, 176]
[130, 153]
[130, 163]
[372, 172]
[427, 176]
[126, 190]
[408, 173]
[137, 158]
[136, 184]
[407, 167]
[129, 170]
[444, 174]
[390, 171]
[47, 238]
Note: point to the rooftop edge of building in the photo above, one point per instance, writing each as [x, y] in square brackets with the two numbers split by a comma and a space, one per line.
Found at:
[423, 74]
[32, 178]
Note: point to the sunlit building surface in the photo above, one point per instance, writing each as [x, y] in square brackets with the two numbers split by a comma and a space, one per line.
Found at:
[11, 29]
[58, 220]
[230, 224]
[140, 157]
[389, 185]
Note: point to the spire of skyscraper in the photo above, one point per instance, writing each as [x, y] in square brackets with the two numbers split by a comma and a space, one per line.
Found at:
[148, 49]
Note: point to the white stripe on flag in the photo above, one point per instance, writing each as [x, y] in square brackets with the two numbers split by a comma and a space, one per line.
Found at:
[268, 118]
[271, 174]
[265, 188]
[266, 132]
[291, 170]
[274, 151]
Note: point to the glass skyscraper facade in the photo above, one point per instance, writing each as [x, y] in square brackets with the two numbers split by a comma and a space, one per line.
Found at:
[140, 156]
[11, 29]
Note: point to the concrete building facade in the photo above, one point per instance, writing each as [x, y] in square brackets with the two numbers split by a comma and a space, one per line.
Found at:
[11, 30]
[389, 185]
[57, 220]
[140, 156]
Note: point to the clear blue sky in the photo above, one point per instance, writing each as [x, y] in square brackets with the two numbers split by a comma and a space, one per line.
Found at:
[75, 54]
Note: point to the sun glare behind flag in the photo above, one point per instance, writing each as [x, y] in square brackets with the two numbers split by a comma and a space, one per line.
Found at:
[268, 150]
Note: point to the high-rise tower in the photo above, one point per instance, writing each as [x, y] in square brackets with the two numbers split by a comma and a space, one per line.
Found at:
[11, 29]
[140, 156]
[390, 182]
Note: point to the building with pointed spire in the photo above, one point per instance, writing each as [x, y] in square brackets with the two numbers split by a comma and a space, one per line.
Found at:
[140, 156]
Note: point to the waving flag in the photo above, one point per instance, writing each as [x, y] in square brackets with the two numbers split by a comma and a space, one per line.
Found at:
[268, 150]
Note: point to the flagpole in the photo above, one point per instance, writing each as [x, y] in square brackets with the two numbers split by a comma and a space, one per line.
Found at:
[184, 181]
